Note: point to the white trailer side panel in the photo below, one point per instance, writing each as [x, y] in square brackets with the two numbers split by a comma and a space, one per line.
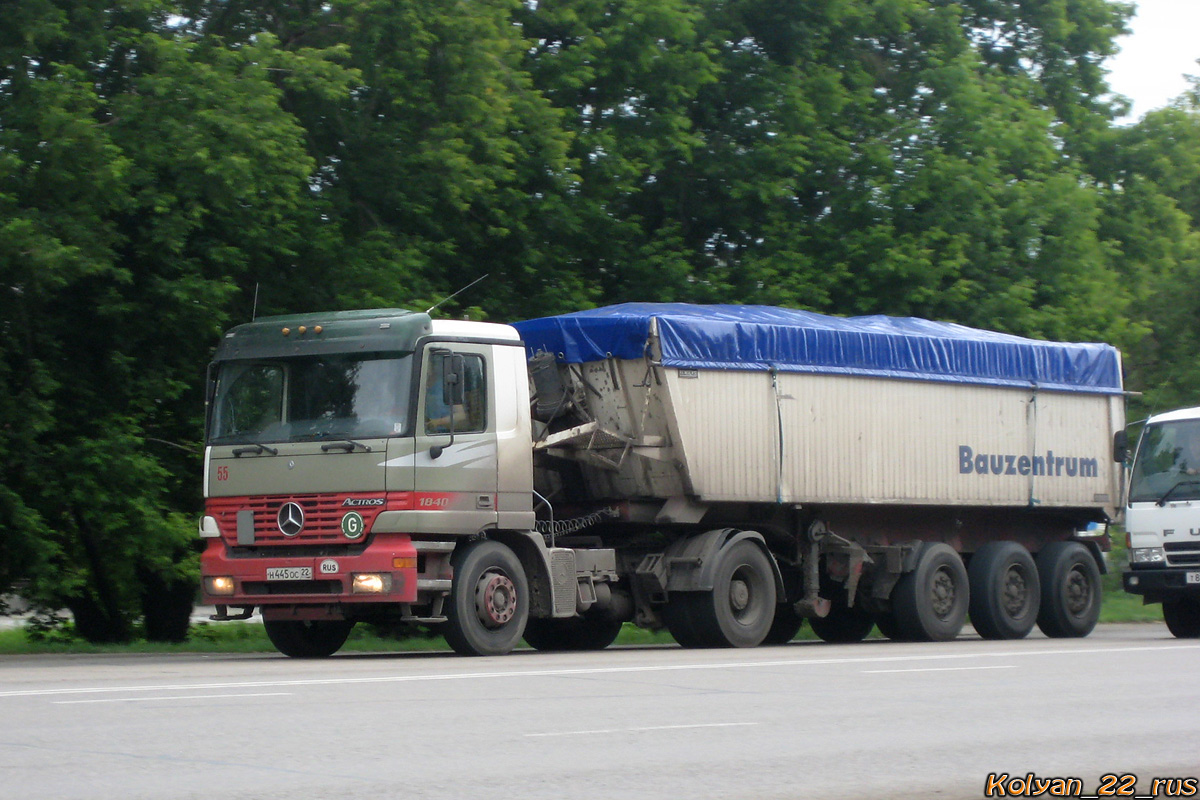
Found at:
[873, 440]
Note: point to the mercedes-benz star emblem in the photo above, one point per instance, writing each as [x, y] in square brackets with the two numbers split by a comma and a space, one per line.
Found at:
[290, 519]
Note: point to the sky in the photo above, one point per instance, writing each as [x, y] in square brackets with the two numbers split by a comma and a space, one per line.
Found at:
[1164, 45]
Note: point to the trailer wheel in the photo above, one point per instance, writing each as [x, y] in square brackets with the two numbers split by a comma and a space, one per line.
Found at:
[572, 633]
[930, 603]
[739, 610]
[1005, 591]
[1182, 618]
[843, 624]
[1070, 585]
[307, 638]
[489, 600]
[785, 626]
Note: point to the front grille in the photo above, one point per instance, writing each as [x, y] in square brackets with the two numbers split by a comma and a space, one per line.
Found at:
[322, 517]
[291, 587]
[1183, 554]
[297, 551]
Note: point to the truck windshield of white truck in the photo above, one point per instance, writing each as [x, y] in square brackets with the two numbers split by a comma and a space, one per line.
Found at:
[1168, 463]
[312, 398]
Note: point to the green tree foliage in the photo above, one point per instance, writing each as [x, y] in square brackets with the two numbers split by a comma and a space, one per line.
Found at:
[443, 163]
[627, 74]
[144, 177]
[891, 156]
[1152, 173]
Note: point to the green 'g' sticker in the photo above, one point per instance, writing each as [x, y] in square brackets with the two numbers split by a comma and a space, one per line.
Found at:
[352, 525]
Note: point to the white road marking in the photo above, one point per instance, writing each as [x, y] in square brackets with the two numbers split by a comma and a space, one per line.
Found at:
[569, 672]
[174, 697]
[643, 730]
[934, 669]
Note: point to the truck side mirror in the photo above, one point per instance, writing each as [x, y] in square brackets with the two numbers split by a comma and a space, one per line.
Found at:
[453, 394]
[1120, 446]
[452, 379]
[210, 393]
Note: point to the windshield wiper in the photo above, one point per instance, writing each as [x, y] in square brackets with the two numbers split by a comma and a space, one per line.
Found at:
[349, 445]
[257, 449]
[1162, 501]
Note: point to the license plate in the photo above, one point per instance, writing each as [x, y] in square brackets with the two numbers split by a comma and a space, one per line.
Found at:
[289, 573]
[1193, 577]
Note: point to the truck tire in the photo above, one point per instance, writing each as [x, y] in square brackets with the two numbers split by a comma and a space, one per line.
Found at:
[886, 622]
[842, 624]
[785, 626]
[739, 610]
[1005, 591]
[571, 633]
[930, 603]
[308, 638]
[677, 615]
[1070, 586]
[489, 600]
[1182, 618]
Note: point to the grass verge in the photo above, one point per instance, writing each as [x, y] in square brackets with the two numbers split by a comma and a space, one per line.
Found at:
[250, 637]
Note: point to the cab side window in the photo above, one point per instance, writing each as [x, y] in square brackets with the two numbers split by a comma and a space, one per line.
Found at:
[470, 416]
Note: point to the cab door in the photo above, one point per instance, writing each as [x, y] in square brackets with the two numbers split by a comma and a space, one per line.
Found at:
[456, 442]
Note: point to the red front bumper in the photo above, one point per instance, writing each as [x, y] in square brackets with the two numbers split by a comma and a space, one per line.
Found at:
[294, 580]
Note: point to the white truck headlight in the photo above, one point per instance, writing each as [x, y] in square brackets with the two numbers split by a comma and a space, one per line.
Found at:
[1147, 555]
[371, 583]
[221, 585]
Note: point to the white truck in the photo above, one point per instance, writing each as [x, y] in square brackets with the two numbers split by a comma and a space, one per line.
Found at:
[1162, 519]
[725, 472]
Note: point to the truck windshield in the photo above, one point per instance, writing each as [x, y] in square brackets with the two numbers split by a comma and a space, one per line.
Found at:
[312, 398]
[1168, 460]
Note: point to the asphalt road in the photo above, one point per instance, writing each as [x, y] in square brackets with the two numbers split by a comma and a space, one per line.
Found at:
[805, 720]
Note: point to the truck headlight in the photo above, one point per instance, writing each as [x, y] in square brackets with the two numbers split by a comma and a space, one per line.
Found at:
[1147, 555]
[221, 585]
[371, 583]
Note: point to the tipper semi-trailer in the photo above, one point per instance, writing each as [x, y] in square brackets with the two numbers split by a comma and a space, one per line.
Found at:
[724, 472]
[1162, 519]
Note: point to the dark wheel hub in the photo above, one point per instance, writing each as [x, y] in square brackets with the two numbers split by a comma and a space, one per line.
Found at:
[1015, 597]
[495, 599]
[739, 596]
[1079, 593]
[942, 594]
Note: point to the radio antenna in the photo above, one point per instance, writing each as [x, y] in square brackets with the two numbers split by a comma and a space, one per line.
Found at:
[456, 294]
[254, 310]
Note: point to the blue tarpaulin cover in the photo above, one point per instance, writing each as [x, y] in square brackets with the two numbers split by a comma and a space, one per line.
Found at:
[789, 340]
